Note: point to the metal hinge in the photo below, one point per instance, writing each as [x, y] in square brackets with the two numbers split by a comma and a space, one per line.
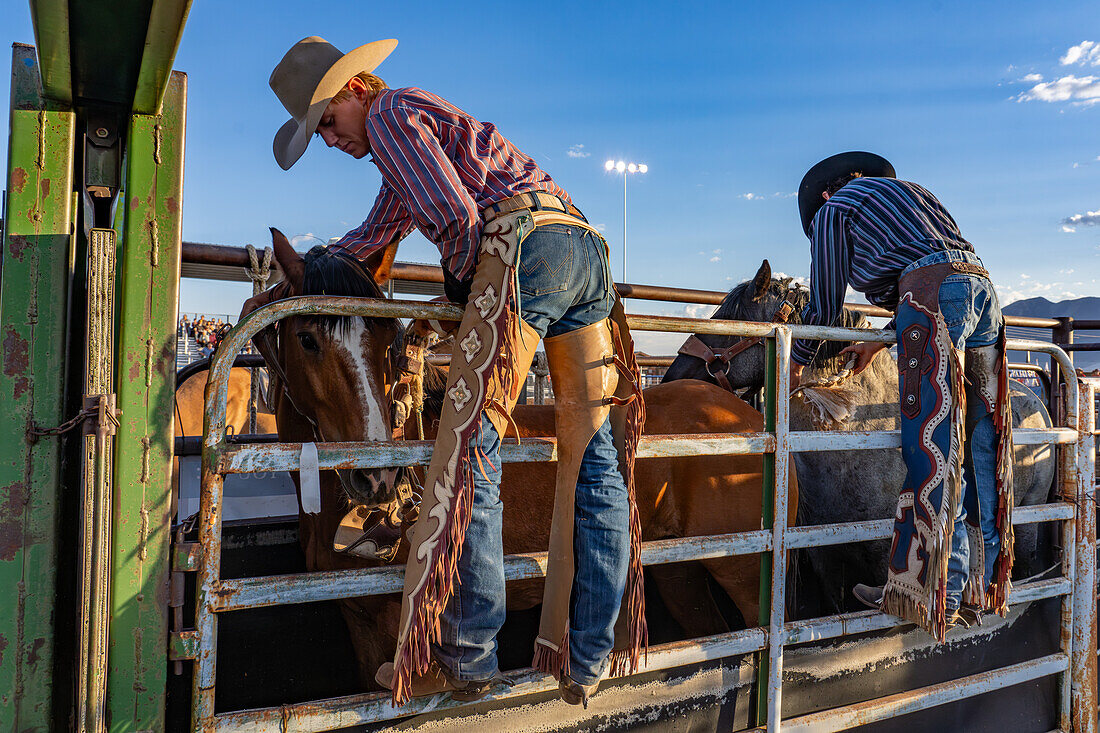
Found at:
[186, 556]
[183, 645]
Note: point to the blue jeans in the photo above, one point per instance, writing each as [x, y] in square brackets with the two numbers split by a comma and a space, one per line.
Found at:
[565, 284]
[969, 306]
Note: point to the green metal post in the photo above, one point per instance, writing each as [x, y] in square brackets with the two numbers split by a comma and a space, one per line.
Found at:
[147, 291]
[38, 225]
[767, 518]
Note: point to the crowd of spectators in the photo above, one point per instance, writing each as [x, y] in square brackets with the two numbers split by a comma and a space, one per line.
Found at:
[206, 332]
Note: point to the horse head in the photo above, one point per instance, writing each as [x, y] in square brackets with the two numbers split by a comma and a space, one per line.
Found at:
[336, 372]
[758, 299]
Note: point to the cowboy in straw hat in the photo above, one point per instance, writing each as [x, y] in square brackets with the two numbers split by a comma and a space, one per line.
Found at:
[528, 266]
[951, 556]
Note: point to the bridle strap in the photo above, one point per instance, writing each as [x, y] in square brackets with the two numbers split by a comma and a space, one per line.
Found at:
[694, 346]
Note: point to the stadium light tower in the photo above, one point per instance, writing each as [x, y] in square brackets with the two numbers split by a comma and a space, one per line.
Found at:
[625, 169]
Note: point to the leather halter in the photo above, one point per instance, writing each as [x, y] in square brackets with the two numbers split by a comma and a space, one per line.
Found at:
[694, 346]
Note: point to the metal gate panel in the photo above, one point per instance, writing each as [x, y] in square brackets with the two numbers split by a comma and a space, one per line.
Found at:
[38, 227]
[216, 595]
[148, 293]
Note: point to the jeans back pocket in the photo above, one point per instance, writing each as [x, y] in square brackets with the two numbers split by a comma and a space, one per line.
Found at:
[546, 260]
[956, 301]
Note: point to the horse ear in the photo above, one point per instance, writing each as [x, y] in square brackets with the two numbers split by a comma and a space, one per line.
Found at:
[291, 262]
[380, 261]
[761, 282]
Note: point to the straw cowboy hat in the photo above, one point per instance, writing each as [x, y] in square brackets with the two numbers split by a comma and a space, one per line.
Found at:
[821, 175]
[307, 79]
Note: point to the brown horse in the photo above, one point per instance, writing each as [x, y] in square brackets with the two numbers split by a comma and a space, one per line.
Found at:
[189, 407]
[334, 376]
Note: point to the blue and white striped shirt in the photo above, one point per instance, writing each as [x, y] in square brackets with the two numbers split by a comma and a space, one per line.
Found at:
[865, 235]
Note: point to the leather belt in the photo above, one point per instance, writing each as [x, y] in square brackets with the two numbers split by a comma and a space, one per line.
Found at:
[535, 200]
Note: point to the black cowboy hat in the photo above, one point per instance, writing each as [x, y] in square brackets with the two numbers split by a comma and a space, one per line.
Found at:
[817, 178]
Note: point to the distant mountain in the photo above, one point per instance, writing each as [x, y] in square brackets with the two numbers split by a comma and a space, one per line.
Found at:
[1079, 308]
[1084, 308]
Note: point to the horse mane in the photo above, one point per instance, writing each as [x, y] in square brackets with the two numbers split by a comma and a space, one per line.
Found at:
[335, 272]
[732, 308]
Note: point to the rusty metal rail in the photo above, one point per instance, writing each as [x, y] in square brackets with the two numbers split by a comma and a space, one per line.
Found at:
[1076, 587]
[221, 255]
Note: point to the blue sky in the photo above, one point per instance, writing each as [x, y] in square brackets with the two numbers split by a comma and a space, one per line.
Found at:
[994, 106]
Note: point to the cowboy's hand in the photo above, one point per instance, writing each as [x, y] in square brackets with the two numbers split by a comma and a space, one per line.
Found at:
[796, 374]
[865, 353]
[258, 301]
[441, 329]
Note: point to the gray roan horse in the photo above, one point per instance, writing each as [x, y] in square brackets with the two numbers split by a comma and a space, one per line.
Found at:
[848, 486]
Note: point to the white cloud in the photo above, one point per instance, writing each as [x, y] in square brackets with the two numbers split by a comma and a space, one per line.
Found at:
[799, 280]
[715, 259]
[1088, 219]
[303, 242]
[716, 251]
[1068, 230]
[759, 196]
[577, 151]
[1025, 276]
[1032, 78]
[1085, 52]
[1028, 288]
[1078, 90]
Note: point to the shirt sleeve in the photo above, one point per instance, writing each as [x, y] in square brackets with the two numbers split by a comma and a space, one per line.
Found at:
[408, 151]
[829, 264]
[388, 222]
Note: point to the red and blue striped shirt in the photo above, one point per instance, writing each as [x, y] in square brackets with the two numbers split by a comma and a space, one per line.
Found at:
[865, 235]
[440, 168]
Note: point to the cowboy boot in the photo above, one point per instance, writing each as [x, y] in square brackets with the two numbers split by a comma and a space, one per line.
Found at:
[438, 679]
[584, 378]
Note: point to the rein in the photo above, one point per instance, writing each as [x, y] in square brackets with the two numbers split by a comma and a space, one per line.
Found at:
[694, 346]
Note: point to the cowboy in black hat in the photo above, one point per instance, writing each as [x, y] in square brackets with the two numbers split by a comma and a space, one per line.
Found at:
[896, 243]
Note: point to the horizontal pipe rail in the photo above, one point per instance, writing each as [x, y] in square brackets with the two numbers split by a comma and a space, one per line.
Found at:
[861, 622]
[258, 458]
[200, 253]
[241, 593]
[345, 712]
[923, 698]
[881, 529]
[371, 707]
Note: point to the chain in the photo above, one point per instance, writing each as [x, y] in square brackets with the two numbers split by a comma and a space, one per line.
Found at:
[66, 426]
[94, 406]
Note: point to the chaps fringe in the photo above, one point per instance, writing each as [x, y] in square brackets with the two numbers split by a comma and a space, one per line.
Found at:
[549, 661]
[899, 601]
[415, 655]
[626, 661]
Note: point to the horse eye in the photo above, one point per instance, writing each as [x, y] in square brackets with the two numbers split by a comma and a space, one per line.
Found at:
[308, 342]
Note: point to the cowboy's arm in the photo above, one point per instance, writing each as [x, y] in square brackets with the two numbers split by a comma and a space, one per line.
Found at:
[829, 264]
[388, 222]
[408, 152]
